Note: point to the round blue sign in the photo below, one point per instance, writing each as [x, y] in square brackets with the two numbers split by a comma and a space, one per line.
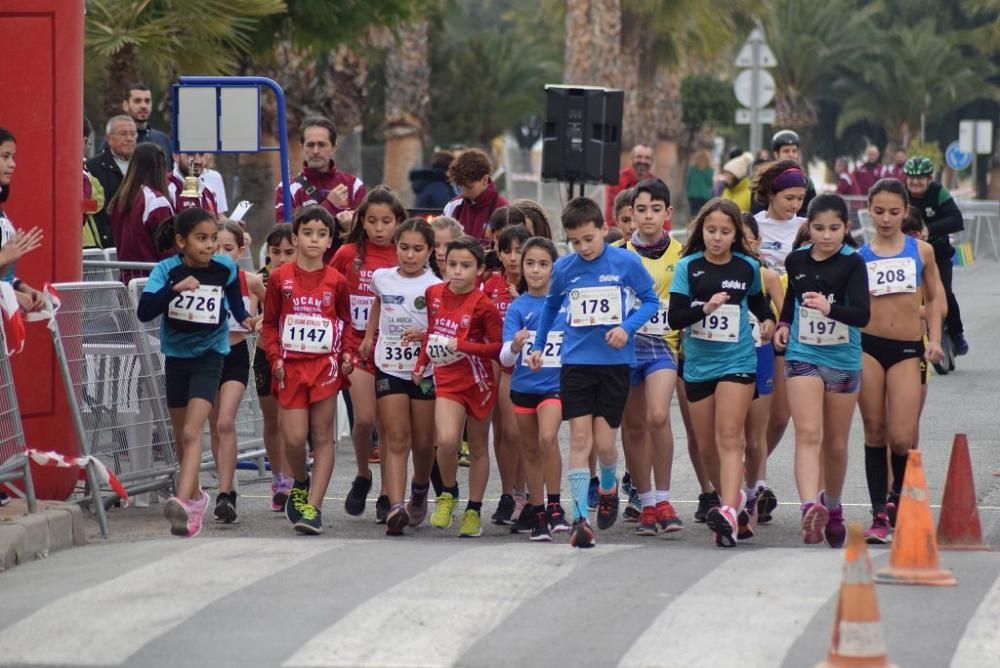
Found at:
[956, 158]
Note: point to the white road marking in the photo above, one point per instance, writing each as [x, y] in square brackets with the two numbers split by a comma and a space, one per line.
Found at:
[980, 645]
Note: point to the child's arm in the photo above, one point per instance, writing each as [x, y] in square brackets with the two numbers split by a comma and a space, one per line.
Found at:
[551, 308]
[269, 326]
[772, 284]
[422, 359]
[366, 344]
[487, 313]
[155, 298]
[640, 281]
[234, 297]
[857, 310]
[681, 313]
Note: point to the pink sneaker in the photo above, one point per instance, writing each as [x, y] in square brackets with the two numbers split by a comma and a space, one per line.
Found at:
[281, 485]
[519, 503]
[814, 519]
[196, 511]
[880, 532]
[723, 523]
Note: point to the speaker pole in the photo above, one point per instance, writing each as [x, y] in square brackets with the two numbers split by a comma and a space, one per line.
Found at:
[571, 188]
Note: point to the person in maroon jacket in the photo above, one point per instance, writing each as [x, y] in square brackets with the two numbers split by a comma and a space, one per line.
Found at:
[642, 161]
[846, 185]
[139, 207]
[895, 170]
[479, 199]
[320, 182]
[870, 171]
[190, 164]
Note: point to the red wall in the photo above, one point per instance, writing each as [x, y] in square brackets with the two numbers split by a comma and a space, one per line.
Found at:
[41, 103]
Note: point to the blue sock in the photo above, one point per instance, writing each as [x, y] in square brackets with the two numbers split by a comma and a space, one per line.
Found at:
[609, 475]
[579, 484]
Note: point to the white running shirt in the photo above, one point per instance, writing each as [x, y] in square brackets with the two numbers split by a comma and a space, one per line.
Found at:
[402, 307]
[776, 239]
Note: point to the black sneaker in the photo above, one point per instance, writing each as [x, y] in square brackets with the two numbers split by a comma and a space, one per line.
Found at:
[627, 483]
[706, 502]
[766, 503]
[961, 345]
[225, 508]
[583, 535]
[382, 507]
[540, 532]
[397, 520]
[298, 498]
[310, 521]
[354, 504]
[607, 509]
[505, 510]
[557, 518]
[527, 521]
[633, 509]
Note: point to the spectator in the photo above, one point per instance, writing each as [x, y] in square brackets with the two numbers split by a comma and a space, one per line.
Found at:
[642, 162]
[699, 181]
[15, 244]
[846, 185]
[138, 104]
[320, 182]
[479, 199]
[214, 181]
[869, 171]
[109, 167]
[93, 196]
[140, 207]
[736, 174]
[895, 170]
[431, 186]
[190, 164]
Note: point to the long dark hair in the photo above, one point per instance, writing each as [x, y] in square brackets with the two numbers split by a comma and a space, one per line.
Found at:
[424, 229]
[148, 167]
[696, 236]
[536, 242]
[534, 212]
[181, 224]
[836, 204]
[357, 235]
[889, 186]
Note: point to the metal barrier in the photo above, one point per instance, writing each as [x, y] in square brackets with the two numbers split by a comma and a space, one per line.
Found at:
[982, 217]
[14, 464]
[115, 393]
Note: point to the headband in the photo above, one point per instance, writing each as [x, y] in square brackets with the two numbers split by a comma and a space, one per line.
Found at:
[790, 178]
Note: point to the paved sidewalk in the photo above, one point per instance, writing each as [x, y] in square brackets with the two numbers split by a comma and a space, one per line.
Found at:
[25, 537]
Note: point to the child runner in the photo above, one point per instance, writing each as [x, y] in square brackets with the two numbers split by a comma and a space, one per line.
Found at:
[654, 373]
[781, 187]
[369, 248]
[463, 338]
[892, 343]
[305, 310]
[534, 218]
[536, 395]
[597, 283]
[194, 291]
[235, 375]
[280, 251]
[624, 215]
[715, 284]
[399, 320]
[825, 307]
[501, 288]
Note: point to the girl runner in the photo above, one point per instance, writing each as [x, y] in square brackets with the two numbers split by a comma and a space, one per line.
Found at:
[369, 248]
[464, 335]
[194, 291]
[715, 284]
[399, 320]
[534, 218]
[898, 265]
[235, 374]
[446, 230]
[825, 307]
[306, 309]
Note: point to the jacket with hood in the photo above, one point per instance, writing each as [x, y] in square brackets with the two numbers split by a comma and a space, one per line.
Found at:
[474, 215]
[431, 187]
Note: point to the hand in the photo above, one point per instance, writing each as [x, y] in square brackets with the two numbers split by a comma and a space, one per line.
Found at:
[933, 353]
[816, 300]
[20, 245]
[452, 345]
[616, 338]
[344, 219]
[252, 323]
[517, 345]
[365, 347]
[717, 300]
[417, 377]
[189, 284]
[535, 360]
[23, 301]
[278, 371]
[512, 291]
[413, 335]
[338, 197]
[766, 331]
[347, 364]
[780, 338]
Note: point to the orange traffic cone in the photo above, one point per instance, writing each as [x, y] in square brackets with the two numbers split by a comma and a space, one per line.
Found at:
[857, 630]
[958, 524]
[914, 557]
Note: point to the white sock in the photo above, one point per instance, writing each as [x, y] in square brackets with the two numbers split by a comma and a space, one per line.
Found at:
[647, 499]
[662, 495]
[761, 483]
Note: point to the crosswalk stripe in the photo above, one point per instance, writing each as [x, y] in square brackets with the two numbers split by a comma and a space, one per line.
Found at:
[980, 644]
[431, 619]
[107, 623]
[741, 598]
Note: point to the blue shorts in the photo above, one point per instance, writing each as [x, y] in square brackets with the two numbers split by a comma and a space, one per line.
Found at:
[652, 354]
[765, 370]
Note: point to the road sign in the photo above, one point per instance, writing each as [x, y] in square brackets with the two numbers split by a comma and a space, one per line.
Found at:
[743, 88]
[745, 116]
[956, 158]
[765, 57]
[984, 137]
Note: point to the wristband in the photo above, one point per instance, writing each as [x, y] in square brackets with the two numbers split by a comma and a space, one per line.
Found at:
[782, 323]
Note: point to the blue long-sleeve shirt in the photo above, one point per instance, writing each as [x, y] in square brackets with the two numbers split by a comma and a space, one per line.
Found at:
[572, 278]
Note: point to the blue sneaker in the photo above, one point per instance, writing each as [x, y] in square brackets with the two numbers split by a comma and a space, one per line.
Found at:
[593, 495]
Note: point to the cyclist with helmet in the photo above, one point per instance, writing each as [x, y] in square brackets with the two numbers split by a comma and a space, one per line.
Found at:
[941, 217]
[785, 146]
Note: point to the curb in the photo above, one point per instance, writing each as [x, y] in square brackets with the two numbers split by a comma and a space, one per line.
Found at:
[25, 537]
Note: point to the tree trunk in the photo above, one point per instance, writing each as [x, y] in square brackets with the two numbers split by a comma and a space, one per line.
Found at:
[121, 72]
[407, 84]
[346, 103]
[579, 43]
[607, 21]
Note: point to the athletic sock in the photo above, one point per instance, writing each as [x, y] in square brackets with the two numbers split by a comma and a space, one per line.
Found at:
[760, 484]
[830, 501]
[476, 506]
[579, 485]
[301, 484]
[662, 495]
[898, 471]
[436, 479]
[647, 499]
[451, 490]
[877, 474]
[553, 498]
[416, 488]
[609, 476]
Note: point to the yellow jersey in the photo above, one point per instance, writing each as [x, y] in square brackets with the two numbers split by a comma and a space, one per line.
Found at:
[661, 270]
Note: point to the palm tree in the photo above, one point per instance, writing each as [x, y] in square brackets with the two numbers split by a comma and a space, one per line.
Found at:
[406, 101]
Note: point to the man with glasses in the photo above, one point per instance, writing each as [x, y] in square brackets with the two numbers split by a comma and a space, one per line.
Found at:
[109, 166]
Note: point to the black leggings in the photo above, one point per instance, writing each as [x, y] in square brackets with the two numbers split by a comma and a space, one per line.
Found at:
[953, 321]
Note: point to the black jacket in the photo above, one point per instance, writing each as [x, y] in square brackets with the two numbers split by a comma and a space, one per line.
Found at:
[431, 187]
[104, 168]
[941, 216]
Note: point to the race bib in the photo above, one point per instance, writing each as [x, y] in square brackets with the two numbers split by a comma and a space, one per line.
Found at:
[398, 355]
[595, 306]
[818, 330]
[203, 305]
[887, 277]
[722, 325]
[551, 351]
[657, 325]
[307, 334]
[361, 307]
[439, 352]
[755, 330]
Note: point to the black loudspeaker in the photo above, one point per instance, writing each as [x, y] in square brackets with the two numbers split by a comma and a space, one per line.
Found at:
[581, 140]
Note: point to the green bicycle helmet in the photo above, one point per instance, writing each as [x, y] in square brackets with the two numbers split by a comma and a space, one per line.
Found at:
[918, 165]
